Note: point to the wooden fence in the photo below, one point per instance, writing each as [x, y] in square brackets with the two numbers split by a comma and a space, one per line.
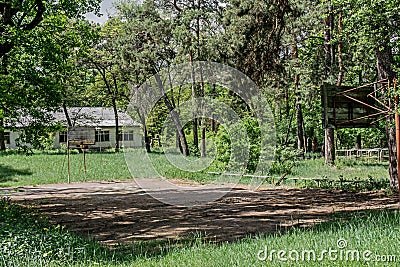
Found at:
[372, 153]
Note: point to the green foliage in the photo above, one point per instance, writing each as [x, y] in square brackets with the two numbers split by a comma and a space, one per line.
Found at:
[284, 160]
[145, 41]
[252, 143]
[39, 66]
[110, 76]
[370, 137]
[37, 136]
[193, 150]
[367, 30]
[223, 144]
[253, 36]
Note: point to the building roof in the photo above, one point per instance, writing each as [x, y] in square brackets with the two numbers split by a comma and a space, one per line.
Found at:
[84, 117]
[94, 117]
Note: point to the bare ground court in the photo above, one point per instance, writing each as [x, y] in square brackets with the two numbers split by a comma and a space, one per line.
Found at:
[121, 212]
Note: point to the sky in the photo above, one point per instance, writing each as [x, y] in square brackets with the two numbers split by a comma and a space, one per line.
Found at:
[106, 8]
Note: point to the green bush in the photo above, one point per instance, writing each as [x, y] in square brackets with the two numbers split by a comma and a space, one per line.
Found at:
[285, 158]
[223, 142]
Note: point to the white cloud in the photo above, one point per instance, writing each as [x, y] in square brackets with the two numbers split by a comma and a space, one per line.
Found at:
[106, 9]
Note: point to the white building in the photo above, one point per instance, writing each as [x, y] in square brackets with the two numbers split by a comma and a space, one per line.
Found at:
[99, 125]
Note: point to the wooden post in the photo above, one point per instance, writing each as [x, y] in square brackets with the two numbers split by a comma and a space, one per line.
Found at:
[69, 163]
[84, 158]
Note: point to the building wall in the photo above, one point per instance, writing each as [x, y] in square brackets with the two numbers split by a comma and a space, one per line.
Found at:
[13, 138]
[137, 139]
[56, 140]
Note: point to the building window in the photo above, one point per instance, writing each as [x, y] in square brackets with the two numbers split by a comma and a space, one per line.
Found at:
[126, 135]
[102, 136]
[7, 138]
[62, 137]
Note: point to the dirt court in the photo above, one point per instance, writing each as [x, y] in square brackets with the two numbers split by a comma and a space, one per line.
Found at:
[119, 212]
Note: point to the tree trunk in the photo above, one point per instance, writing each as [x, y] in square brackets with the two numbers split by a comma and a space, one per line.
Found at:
[146, 139]
[202, 120]
[178, 141]
[201, 93]
[392, 151]
[358, 141]
[178, 125]
[331, 24]
[327, 45]
[213, 95]
[174, 116]
[339, 52]
[329, 142]
[384, 63]
[288, 129]
[194, 95]
[145, 133]
[299, 117]
[329, 146]
[116, 117]
[69, 122]
[299, 113]
[174, 104]
[314, 148]
[310, 141]
[3, 70]
[287, 102]
[203, 152]
[304, 133]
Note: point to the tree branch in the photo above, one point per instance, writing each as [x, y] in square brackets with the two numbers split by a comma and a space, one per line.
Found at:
[39, 16]
[8, 13]
[177, 7]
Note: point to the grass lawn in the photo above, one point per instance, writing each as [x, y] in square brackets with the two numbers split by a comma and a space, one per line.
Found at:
[43, 168]
[47, 168]
[349, 174]
[346, 168]
[368, 238]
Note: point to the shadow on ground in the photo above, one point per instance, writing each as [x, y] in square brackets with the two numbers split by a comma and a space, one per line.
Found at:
[8, 173]
[119, 213]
